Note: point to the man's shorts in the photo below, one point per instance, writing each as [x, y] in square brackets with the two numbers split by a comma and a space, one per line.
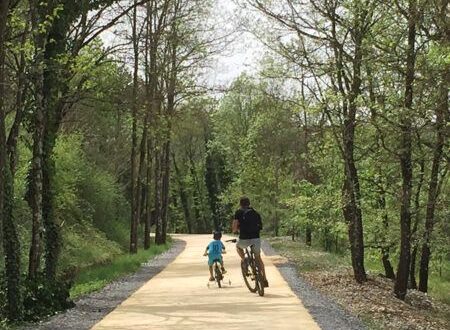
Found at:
[212, 258]
[244, 243]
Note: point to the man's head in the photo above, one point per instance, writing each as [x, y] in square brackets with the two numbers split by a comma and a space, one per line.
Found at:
[244, 202]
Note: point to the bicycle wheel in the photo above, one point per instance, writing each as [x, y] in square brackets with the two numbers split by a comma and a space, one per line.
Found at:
[259, 283]
[218, 275]
[258, 277]
[248, 272]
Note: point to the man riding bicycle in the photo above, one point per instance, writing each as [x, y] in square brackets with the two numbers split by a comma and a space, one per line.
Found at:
[248, 222]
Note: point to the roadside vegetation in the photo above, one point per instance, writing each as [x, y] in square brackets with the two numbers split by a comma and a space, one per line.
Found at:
[110, 131]
[329, 272]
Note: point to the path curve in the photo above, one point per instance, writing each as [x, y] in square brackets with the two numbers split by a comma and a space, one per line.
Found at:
[178, 298]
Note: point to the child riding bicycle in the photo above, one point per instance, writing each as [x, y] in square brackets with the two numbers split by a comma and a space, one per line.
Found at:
[214, 252]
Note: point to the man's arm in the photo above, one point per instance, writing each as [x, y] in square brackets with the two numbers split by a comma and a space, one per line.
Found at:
[235, 226]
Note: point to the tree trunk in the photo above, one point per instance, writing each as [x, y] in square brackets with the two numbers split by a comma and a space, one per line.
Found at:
[388, 269]
[308, 235]
[38, 136]
[134, 194]
[157, 199]
[148, 210]
[412, 268]
[165, 191]
[19, 104]
[11, 245]
[401, 283]
[441, 111]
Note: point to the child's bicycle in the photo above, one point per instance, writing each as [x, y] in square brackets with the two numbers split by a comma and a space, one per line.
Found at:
[217, 272]
[250, 271]
[218, 276]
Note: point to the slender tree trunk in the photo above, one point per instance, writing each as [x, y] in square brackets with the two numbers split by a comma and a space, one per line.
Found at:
[140, 193]
[19, 104]
[157, 199]
[412, 269]
[10, 240]
[148, 213]
[401, 283]
[38, 143]
[134, 194]
[308, 235]
[165, 190]
[441, 111]
[351, 188]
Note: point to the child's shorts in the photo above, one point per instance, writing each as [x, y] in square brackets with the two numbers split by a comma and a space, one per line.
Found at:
[212, 258]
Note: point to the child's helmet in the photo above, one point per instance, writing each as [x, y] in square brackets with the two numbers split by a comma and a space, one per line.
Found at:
[217, 235]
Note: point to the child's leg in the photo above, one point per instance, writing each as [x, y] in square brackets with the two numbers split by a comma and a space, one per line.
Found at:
[211, 272]
[223, 266]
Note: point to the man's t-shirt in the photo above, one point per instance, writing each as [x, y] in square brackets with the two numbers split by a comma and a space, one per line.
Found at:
[215, 249]
[250, 223]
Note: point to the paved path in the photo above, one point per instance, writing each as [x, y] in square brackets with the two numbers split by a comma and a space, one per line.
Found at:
[179, 298]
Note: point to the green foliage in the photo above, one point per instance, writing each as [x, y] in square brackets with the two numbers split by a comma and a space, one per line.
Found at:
[96, 277]
[43, 298]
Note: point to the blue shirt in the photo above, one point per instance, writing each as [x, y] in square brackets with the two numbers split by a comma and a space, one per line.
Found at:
[215, 249]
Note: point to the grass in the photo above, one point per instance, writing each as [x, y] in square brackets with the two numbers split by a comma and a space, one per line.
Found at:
[97, 277]
[314, 259]
[309, 258]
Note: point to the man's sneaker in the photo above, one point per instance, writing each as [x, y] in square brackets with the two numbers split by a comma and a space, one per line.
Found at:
[265, 283]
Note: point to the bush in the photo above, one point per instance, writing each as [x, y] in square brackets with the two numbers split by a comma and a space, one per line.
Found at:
[43, 299]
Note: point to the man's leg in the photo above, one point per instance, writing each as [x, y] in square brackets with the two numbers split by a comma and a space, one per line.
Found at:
[261, 265]
[240, 252]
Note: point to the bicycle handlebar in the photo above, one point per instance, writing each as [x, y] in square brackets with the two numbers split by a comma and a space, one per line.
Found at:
[234, 240]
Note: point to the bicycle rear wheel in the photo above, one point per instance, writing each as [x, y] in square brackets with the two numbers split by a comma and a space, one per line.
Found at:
[248, 272]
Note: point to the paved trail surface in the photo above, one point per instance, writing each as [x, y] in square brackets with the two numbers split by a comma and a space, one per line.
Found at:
[179, 298]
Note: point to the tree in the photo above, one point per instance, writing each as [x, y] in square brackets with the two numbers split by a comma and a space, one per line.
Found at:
[9, 233]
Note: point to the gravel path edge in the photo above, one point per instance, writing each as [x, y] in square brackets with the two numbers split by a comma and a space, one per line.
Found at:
[327, 314]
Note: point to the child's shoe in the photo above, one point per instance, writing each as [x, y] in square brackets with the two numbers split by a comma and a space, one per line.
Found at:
[224, 271]
[212, 279]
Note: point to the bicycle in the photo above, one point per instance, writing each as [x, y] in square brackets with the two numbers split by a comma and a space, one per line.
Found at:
[250, 271]
[217, 272]
[218, 275]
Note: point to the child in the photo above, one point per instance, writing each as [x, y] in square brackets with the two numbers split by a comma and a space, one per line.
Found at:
[215, 249]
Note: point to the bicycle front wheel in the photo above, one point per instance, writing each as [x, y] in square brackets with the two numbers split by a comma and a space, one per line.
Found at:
[259, 284]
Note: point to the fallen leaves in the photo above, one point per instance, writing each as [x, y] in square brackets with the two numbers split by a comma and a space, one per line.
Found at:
[374, 302]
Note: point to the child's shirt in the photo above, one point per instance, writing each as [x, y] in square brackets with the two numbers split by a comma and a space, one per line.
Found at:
[215, 249]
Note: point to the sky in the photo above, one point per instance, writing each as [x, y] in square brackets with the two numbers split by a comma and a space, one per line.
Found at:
[241, 55]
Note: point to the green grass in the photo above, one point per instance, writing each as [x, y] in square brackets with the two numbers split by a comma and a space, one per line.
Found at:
[95, 278]
[309, 258]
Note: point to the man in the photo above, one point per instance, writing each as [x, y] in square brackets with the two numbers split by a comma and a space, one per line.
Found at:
[248, 222]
